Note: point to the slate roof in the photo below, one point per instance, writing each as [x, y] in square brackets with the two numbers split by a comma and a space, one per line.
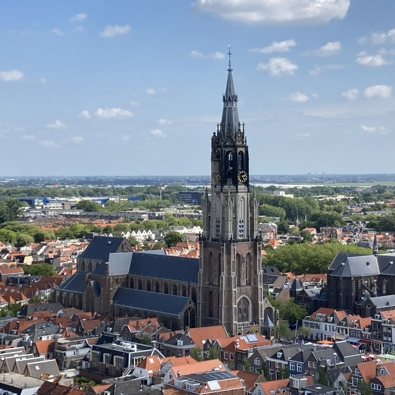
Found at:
[30, 308]
[186, 340]
[150, 301]
[382, 302]
[165, 266]
[76, 283]
[101, 247]
[355, 266]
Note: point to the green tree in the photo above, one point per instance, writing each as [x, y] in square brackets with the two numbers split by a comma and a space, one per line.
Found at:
[10, 210]
[246, 364]
[89, 206]
[289, 310]
[197, 354]
[213, 353]
[283, 373]
[272, 211]
[282, 331]
[322, 377]
[39, 269]
[133, 241]
[23, 238]
[305, 234]
[146, 340]
[172, 238]
[7, 236]
[364, 388]
[265, 371]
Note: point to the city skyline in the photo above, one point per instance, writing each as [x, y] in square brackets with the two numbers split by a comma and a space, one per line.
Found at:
[136, 88]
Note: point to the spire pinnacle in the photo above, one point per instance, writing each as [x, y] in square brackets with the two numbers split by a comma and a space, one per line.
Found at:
[229, 55]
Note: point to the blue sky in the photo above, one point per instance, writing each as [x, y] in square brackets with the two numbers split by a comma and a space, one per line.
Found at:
[133, 87]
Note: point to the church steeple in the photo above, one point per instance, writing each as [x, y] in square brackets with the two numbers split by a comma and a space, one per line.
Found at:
[230, 117]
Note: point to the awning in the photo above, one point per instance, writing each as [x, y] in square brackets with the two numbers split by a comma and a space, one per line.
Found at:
[364, 341]
[353, 339]
[339, 337]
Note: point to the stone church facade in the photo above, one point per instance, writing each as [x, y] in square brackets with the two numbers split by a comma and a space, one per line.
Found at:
[230, 280]
[223, 287]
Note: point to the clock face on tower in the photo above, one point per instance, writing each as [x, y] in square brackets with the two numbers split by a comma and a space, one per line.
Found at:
[242, 176]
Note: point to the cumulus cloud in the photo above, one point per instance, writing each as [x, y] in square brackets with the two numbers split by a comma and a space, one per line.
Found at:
[260, 11]
[298, 97]
[112, 31]
[163, 121]
[126, 138]
[111, 113]
[157, 133]
[328, 49]
[28, 137]
[377, 38]
[365, 59]
[276, 46]
[58, 32]
[278, 67]
[134, 103]
[12, 75]
[381, 91]
[150, 91]
[84, 114]
[77, 139]
[77, 18]
[215, 55]
[49, 144]
[373, 129]
[56, 125]
[351, 94]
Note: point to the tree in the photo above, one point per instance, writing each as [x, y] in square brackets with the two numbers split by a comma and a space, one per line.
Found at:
[7, 236]
[265, 371]
[23, 238]
[146, 340]
[133, 241]
[197, 354]
[39, 269]
[272, 211]
[282, 373]
[89, 206]
[246, 364]
[282, 331]
[322, 377]
[364, 388]
[304, 332]
[10, 210]
[305, 234]
[288, 309]
[172, 238]
[213, 353]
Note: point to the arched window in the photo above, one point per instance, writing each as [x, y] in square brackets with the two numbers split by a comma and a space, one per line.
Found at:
[140, 285]
[131, 283]
[83, 266]
[166, 288]
[239, 269]
[248, 269]
[240, 160]
[210, 304]
[157, 287]
[194, 299]
[148, 285]
[175, 292]
[184, 291]
[90, 267]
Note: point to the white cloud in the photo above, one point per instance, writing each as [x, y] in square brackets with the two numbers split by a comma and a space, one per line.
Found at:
[77, 18]
[134, 103]
[43, 80]
[377, 38]
[150, 91]
[259, 11]
[215, 55]
[317, 70]
[56, 125]
[111, 31]
[278, 67]
[49, 143]
[28, 137]
[158, 133]
[301, 135]
[12, 75]
[109, 113]
[373, 129]
[328, 49]
[382, 91]
[126, 138]
[77, 139]
[298, 97]
[163, 121]
[276, 46]
[58, 32]
[365, 59]
[351, 94]
[78, 29]
[84, 114]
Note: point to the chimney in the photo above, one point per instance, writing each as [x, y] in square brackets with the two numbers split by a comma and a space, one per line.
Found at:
[153, 344]
[186, 330]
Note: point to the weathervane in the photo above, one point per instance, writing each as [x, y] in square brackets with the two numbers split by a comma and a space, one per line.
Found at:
[229, 54]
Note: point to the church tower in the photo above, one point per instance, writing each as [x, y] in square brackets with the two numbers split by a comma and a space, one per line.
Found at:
[230, 281]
